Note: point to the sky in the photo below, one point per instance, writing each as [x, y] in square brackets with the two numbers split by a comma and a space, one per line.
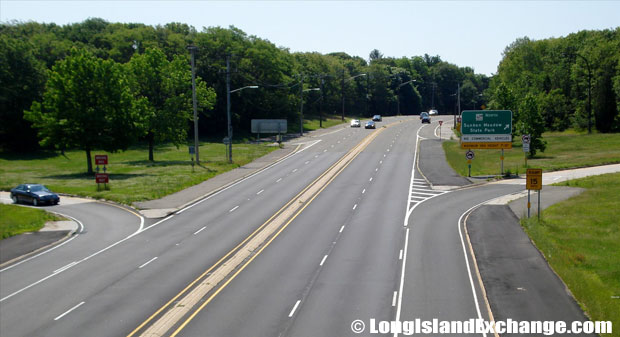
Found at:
[466, 33]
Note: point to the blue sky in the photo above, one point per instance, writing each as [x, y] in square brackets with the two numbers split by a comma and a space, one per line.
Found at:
[466, 33]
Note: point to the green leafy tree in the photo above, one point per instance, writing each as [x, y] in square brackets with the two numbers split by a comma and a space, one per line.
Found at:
[22, 79]
[87, 104]
[531, 123]
[164, 92]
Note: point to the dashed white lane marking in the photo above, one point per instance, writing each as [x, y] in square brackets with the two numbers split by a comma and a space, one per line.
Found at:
[68, 311]
[200, 230]
[355, 206]
[377, 169]
[394, 299]
[149, 261]
[294, 308]
[325, 150]
[323, 261]
[295, 170]
[364, 191]
[259, 192]
[341, 229]
[279, 180]
[233, 209]
[400, 255]
[370, 179]
[380, 162]
[307, 162]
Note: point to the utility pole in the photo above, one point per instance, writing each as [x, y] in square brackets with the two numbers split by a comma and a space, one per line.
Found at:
[228, 108]
[342, 94]
[192, 50]
[301, 106]
[321, 104]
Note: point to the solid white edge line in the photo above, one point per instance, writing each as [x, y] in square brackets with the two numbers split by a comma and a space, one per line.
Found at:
[406, 225]
[68, 311]
[53, 248]
[323, 260]
[143, 229]
[147, 262]
[294, 308]
[200, 230]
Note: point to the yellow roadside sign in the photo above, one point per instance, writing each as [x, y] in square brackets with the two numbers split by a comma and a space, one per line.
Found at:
[480, 145]
[533, 179]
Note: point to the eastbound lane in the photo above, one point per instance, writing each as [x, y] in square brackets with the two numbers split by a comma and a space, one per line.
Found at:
[336, 260]
[171, 253]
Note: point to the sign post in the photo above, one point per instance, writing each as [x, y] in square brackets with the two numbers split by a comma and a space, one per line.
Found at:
[469, 155]
[533, 181]
[486, 129]
[440, 122]
[526, 146]
[101, 178]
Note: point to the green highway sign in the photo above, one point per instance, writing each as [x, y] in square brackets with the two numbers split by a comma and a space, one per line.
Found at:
[482, 126]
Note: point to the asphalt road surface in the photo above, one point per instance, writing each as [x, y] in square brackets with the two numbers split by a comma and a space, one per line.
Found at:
[376, 242]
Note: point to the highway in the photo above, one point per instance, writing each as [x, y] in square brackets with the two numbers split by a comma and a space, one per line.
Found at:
[366, 237]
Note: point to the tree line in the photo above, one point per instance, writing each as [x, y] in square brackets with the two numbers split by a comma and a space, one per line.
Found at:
[137, 79]
[560, 83]
[151, 64]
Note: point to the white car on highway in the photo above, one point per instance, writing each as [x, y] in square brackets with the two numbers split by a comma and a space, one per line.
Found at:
[433, 112]
[355, 123]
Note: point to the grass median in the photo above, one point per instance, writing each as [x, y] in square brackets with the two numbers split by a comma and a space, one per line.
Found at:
[132, 176]
[565, 150]
[580, 238]
[16, 220]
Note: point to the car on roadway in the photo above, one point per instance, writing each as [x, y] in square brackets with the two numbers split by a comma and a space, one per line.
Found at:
[425, 118]
[370, 125]
[377, 118]
[433, 112]
[35, 194]
[355, 123]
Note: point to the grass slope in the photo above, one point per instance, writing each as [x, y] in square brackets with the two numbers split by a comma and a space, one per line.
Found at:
[15, 220]
[132, 176]
[580, 238]
[564, 150]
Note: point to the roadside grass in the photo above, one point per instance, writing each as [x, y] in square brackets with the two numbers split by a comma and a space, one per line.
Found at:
[565, 150]
[16, 220]
[132, 176]
[580, 238]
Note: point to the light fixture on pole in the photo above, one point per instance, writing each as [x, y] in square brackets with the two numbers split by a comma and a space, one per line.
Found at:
[398, 95]
[343, 81]
[301, 106]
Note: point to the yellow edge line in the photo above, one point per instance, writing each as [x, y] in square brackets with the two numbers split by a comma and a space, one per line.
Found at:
[239, 245]
[191, 317]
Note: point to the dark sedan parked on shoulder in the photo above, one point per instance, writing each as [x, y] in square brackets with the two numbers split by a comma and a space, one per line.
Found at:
[36, 194]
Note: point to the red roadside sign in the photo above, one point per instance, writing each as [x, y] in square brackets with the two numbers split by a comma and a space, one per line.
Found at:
[101, 178]
[101, 159]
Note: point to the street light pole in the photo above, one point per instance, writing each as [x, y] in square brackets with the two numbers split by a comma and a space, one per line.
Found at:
[343, 97]
[192, 50]
[398, 95]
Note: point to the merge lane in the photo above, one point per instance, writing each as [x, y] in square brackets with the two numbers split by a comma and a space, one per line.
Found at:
[278, 278]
